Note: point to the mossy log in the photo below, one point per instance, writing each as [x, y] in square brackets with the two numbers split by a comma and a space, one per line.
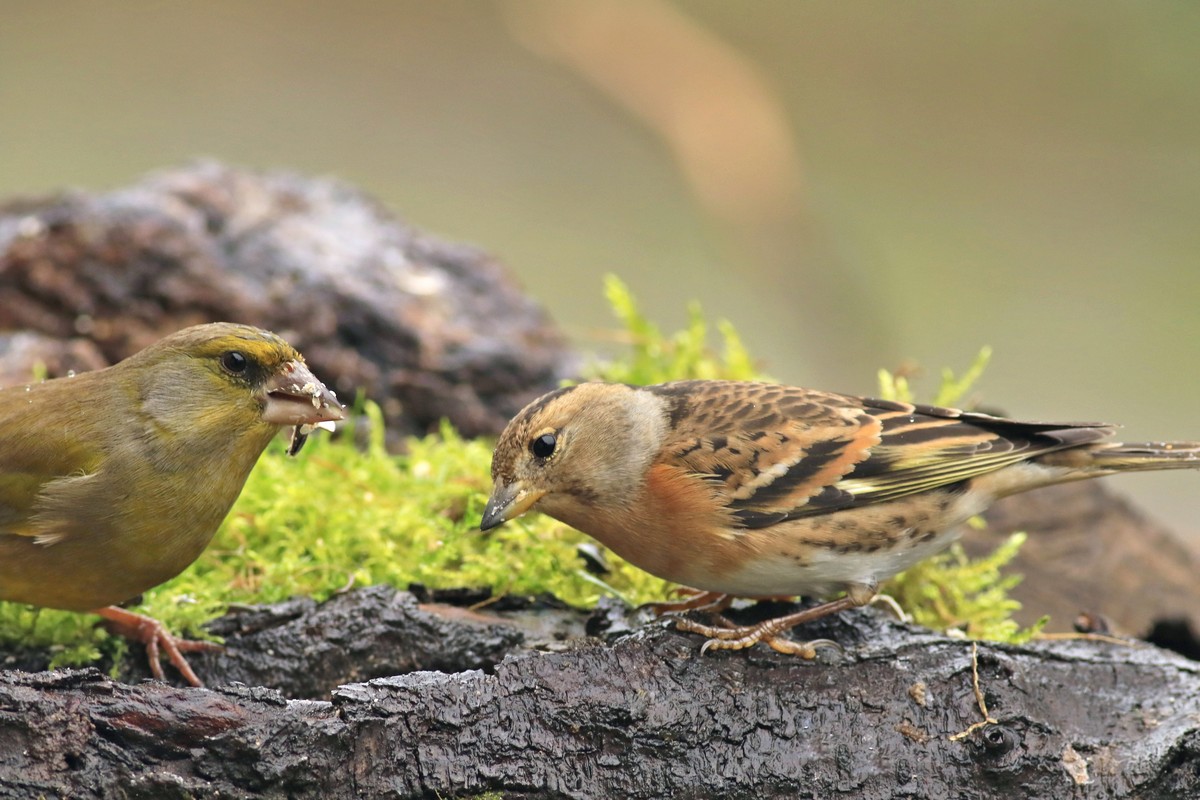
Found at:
[645, 716]
[379, 693]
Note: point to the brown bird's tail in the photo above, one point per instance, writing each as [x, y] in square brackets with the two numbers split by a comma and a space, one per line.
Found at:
[1104, 459]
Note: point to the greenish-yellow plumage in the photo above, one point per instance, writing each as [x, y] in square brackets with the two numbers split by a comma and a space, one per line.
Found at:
[112, 482]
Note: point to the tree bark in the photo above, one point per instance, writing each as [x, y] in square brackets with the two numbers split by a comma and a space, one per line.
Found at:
[644, 717]
[380, 694]
[1090, 551]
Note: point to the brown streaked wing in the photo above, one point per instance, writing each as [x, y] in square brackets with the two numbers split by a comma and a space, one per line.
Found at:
[770, 448]
[926, 447]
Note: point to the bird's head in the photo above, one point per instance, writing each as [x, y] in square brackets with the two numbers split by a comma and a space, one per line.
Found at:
[582, 446]
[223, 378]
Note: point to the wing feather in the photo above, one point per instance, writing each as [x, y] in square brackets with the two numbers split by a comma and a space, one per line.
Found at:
[779, 452]
[44, 446]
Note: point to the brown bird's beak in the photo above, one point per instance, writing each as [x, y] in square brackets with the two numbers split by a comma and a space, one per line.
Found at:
[508, 502]
[294, 396]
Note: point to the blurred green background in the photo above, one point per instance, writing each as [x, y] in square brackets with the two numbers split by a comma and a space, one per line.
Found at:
[853, 184]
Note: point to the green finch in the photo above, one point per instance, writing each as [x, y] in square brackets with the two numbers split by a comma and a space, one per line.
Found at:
[114, 481]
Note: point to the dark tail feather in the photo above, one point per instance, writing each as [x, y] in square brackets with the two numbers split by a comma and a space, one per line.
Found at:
[1130, 457]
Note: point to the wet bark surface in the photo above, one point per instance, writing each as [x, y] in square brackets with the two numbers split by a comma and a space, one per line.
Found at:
[641, 716]
[382, 693]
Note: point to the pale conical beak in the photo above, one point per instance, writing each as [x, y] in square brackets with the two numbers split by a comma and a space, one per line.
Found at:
[294, 396]
[508, 502]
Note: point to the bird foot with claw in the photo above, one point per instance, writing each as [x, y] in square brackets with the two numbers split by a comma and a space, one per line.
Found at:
[889, 602]
[151, 633]
[726, 635]
[737, 637]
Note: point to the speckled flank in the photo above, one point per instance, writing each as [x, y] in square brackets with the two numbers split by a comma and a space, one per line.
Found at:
[820, 555]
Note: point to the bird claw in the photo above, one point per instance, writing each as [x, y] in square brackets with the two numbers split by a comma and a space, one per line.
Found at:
[726, 635]
[806, 650]
[889, 602]
[729, 636]
[777, 642]
[151, 633]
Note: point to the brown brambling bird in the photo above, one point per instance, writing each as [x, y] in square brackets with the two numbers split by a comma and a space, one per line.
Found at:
[760, 490]
[114, 481]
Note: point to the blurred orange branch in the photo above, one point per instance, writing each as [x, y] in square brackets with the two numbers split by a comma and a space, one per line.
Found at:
[709, 104]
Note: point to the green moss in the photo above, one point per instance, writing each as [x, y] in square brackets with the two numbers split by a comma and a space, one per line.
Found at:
[951, 392]
[70, 638]
[654, 357]
[339, 515]
[950, 592]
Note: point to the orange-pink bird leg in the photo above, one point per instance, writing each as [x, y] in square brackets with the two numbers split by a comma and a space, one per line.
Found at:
[770, 631]
[691, 600]
[151, 633]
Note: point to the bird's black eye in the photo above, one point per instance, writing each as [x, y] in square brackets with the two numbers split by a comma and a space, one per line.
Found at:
[543, 446]
[234, 361]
